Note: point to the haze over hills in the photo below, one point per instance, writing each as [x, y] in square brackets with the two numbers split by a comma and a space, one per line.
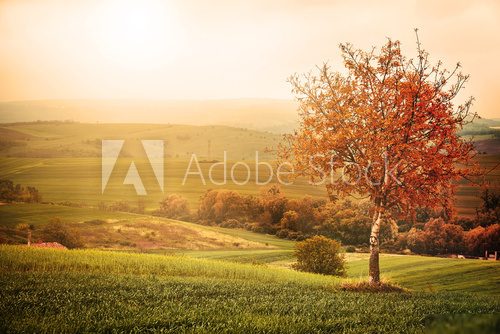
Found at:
[273, 115]
[260, 114]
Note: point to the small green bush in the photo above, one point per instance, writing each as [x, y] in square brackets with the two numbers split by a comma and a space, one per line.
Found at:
[57, 231]
[231, 223]
[350, 249]
[95, 222]
[320, 255]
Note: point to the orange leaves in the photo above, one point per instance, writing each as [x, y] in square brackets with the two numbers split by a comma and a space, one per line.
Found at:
[389, 117]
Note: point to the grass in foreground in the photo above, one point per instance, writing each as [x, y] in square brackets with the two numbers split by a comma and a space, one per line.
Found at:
[81, 291]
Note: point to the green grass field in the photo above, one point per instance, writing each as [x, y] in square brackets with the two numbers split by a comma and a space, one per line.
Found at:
[220, 287]
[200, 278]
[63, 162]
[235, 245]
[95, 291]
[78, 180]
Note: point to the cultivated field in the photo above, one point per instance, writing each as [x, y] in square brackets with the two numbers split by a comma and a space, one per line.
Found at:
[63, 162]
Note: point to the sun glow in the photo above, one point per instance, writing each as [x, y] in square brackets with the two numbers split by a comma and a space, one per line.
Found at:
[136, 34]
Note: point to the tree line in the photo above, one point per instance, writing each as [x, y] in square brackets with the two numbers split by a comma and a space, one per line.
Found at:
[10, 192]
[426, 231]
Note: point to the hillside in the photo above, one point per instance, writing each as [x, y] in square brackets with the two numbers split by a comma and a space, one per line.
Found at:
[126, 231]
[95, 291]
[142, 233]
[63, 161]
[75, 140]
[260, 114]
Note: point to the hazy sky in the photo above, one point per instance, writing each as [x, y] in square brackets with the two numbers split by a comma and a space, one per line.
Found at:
[178, 49]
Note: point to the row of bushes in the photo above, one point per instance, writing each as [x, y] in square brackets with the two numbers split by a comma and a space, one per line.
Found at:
[426, 231]
[271, 212]
[123, 206]
[10, 192]
[439, 237]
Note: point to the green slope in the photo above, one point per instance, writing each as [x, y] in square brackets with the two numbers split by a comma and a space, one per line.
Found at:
[132, 232]
[95, 291]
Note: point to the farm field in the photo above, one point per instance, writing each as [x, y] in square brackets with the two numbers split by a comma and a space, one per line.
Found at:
[201, 278]
[78, 180]
[88, 290]
[63, 161]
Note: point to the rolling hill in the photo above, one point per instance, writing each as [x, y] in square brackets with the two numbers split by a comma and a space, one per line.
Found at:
[132, 232]
[62, 159]
[259, 114]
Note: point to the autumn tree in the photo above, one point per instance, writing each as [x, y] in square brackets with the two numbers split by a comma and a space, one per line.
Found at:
[437, 237]
[174, 206]
[386, 129]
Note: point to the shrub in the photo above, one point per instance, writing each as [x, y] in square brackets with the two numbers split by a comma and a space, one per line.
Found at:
[489, 212]
[17, 193]
[283, 234]
[173, 206]
[120, 206]
[351, 223]
[481, 239]
[302, 214]
[274, 204]
[466, 223]
[437, 238]
[320, 255]
[231, 223]
[261, 228]
[95, 222]
[290, 221]
[220, 205]
[292, 235]
[350, 249]
[56, 231]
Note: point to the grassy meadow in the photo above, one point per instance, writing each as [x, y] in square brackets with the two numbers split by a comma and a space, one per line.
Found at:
[63, 161]
[142, 273]
[47, 290]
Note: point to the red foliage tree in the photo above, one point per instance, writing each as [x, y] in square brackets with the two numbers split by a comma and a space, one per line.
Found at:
[481, 239]
[389, 125]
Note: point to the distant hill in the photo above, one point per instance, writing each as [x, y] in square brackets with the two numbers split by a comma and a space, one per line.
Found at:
[277, 116]
[273, 115]
[68, 139]
[482, 126]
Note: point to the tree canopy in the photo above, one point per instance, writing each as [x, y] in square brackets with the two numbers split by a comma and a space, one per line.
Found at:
[386, 128]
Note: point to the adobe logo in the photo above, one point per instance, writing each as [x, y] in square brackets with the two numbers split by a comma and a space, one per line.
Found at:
[110, 152]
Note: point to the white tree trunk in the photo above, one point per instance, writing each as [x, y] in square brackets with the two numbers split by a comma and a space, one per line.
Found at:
[374, 268]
